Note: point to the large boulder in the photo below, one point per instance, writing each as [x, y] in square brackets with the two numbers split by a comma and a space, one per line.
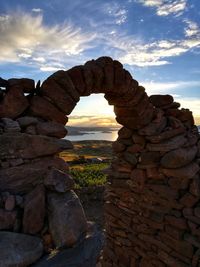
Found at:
[85, 254]
[23, 178]
[67, 221]
[30, 146]
[27, 85]
[19, 250]
[7, 219]
[59, 181]
[58, 95]
[34, 210]
[41, 107]
[179, 157]
[51, 129]
[13, 103]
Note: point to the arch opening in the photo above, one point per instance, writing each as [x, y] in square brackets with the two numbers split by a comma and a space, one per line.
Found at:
[152, 198]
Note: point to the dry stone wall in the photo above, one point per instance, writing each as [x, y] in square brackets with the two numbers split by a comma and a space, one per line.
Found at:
[152, 207]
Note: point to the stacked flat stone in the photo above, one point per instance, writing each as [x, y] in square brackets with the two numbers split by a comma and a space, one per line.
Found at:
[152, 197]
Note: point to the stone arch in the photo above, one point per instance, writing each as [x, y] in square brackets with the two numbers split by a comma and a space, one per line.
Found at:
[152, 198]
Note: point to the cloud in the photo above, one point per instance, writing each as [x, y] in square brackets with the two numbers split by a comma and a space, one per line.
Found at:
[133, 51]
[92, 121]
[168, 87]
[165, 8]
[37, 10]
[25, 36]
[115, 11]
[192, 29]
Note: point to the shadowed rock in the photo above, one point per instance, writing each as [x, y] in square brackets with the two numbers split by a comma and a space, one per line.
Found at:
[19, 250]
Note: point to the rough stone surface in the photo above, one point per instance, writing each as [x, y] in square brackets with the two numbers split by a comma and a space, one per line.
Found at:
[23, 178]
[19, 250]
[7, 219]
[53, 129]
[84, 255]
[41, 107]
[34, 211]
[31, 146]
[27, 85]
[59, 181]
[67, 221]
[179, 157]
[13, 104]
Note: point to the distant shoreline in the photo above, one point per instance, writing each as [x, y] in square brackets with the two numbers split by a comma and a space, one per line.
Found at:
[74, 131]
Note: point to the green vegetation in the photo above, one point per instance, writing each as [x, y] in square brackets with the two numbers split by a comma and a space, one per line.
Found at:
[86, 175]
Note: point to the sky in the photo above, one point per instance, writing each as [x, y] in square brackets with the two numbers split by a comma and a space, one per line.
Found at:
[158, 41]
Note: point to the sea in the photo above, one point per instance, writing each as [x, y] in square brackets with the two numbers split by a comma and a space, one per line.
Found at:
[94, 135]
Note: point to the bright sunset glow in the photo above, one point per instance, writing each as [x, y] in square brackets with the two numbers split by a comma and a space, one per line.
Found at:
[157, 41]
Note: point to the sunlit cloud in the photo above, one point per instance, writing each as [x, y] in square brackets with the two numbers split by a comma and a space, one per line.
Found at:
[165, 8]
[92, 121]
[24, 36]
[133, 51]
[168, 87]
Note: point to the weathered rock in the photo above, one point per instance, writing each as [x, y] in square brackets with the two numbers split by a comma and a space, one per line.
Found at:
[10, 203]
[98, 76]
[185, 172]
[118, 146]
[130, 158]
[67, 220]
[51, 129]
[26, 121]
[179, 157]
[19, 250]
[85, 254]
[149, 159]
[3, 82]
[41, 107]
[168, 145]
[77, 77]
[31, 129]
[7, 219]
[161, 100]
[27, 85]
[125, 132]
[107, 64]
[34, 210]
[24, 178]
[10, 126]
[138, 121]
[166, 135]
[58, 181]
[27, 146]
[155, 127]
[13, 103]
[65, 82]
[58, 95]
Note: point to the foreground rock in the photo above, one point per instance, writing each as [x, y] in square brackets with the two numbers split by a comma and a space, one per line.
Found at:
[84, 255]
[23, 178]
[19, 250]
[31, 146]
[67, 220]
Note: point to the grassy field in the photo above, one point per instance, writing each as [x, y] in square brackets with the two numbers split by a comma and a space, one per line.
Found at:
[89, 149]
[86, 175]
